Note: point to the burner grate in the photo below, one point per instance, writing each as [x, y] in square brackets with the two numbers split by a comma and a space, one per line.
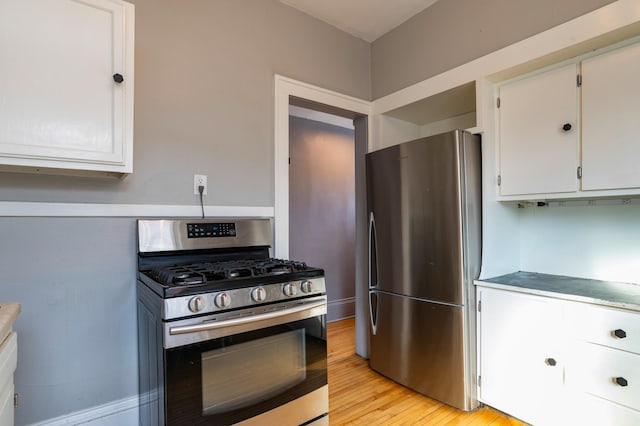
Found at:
[198, 273]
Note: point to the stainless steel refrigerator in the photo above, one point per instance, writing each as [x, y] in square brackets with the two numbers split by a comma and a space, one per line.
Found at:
[424, 204]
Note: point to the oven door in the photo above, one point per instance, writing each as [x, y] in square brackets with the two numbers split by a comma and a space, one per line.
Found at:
[249, 367]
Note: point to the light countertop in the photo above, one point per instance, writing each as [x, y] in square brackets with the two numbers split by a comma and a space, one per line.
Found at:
[8, 313]
[606, 293]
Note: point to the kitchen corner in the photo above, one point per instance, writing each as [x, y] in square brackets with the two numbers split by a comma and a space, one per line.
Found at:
[550, 92]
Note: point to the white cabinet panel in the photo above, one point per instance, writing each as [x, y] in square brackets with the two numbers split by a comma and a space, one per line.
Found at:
[60, 105]
[600, 412]
[539, 133]
[594, 369]
[611, 120]
[609, 327]
[8, 362]
[521, 358]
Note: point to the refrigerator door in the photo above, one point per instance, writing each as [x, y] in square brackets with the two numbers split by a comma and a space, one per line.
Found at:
[414, 202]
[420, 345]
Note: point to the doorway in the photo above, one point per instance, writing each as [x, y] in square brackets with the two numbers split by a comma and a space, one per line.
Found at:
[288, 91]
[322, 218]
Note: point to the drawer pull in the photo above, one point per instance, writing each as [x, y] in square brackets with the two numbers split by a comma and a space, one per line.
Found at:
[550, 361]
[620, 333]
[622, 381]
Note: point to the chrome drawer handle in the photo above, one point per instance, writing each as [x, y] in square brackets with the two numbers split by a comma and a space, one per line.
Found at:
[622, 381]
[620, 333]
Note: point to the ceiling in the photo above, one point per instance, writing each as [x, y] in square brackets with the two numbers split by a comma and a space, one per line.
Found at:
[365, 19]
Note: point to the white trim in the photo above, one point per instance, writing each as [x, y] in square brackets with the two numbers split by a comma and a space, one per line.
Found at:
[285, 87]
[31, 209]
[126, 408]
[322, 117]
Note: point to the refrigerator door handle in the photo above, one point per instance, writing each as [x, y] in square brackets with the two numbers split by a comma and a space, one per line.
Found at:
[373, 252]
[373, 317]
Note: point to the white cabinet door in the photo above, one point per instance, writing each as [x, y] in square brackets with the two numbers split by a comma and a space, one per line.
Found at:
[611, 120]
[539, 134]
[521, 356]
[60, 105]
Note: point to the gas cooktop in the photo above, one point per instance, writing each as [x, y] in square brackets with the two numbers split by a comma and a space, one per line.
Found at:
[200, 277]
[201, 272]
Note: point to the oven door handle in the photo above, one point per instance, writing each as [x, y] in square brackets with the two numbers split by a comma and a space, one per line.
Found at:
[307, 310]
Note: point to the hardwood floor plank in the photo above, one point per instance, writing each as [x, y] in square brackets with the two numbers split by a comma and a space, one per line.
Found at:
[359, 396]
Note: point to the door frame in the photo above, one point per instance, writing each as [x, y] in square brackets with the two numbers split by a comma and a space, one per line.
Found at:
[284, 88]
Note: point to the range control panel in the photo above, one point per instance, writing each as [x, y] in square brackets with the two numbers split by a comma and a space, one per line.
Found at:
[211, 230]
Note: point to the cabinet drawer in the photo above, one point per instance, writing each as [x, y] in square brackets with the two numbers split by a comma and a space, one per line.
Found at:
[591, 410]
[600, 325]
[594, 369]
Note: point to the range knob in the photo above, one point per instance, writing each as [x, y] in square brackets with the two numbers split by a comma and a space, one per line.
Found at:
[306, 286]
[196, 304]
[222, 300]
[290, 289]
[258, 294]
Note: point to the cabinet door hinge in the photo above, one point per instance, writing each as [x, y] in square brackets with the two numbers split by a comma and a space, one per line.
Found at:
[15, 400]
[479, 305]
[579, 80]
[499, 180]
[479, 381]
[289, 160]
[498, 102]
[579, 172]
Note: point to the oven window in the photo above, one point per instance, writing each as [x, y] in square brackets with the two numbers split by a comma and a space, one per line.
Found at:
[244, 374]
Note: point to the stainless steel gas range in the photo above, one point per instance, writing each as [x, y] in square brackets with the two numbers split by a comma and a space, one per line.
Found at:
[226, 334]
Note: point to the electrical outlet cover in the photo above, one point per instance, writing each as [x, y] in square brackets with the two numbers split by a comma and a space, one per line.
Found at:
[197, 181]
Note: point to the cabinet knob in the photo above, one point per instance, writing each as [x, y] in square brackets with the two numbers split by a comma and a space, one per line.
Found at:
[118, 78]
[566, 127]
[620, 333]
[622, 381]
[550, 361]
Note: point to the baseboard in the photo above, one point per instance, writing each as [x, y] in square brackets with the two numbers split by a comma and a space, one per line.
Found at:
[123, 412]
[341, 309]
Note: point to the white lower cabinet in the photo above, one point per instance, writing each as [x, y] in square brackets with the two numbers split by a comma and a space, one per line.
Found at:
[549, 361]
[521, 359]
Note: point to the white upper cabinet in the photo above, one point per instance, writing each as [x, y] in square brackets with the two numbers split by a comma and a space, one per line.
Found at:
[539, 133]
[561, 139]
[611, 120]
[66, 85]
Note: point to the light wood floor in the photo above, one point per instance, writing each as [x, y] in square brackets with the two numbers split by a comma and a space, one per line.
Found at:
[359, 396]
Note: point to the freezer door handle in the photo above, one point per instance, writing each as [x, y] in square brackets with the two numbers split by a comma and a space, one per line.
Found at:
[373, 252]
[373, 311]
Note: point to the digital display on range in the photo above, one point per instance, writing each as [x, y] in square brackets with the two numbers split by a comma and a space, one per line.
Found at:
[211, 230]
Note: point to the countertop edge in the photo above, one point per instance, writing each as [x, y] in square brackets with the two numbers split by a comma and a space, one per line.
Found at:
[558, 295]
[9, 312]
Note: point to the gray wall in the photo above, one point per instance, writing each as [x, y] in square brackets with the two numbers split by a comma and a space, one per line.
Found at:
[204, 101]
[75, 279]
[203, 104]
[453, 32]
[322, 205]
